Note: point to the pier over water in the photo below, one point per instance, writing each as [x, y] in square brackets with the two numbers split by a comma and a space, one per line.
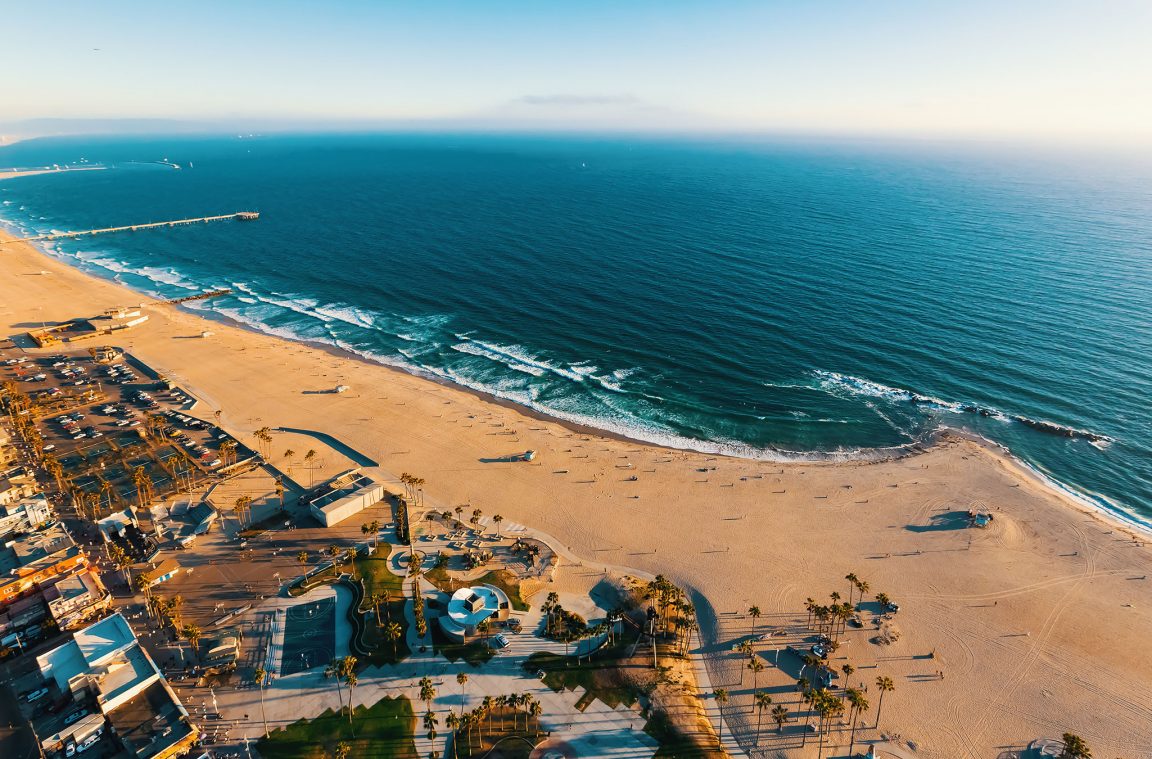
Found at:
[238, 216]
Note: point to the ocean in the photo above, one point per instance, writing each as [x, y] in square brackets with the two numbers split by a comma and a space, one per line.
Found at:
[776, 299]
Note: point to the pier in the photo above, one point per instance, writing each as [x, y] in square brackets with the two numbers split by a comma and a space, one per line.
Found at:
[238, 216]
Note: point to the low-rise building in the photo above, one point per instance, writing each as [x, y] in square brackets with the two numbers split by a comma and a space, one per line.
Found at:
[468, 607]
[35, 559]
[162, 572]
[105, 662]
[15, 485]
[24, 515]
[77, 598]
[345, 495]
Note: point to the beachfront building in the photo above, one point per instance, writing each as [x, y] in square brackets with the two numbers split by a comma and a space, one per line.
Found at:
[345, 495]
[105, 663]
[35, 559]
[468, 607]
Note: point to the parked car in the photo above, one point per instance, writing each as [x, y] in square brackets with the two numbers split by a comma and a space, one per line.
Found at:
[36, 695]
[499, 641]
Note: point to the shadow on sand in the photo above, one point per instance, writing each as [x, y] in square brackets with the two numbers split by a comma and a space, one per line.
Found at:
[952, 520]
[358, 458]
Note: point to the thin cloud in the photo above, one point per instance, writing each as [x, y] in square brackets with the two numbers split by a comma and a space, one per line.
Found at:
[578, 100]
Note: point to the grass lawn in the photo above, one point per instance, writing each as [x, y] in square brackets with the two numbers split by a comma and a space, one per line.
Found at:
[507, 734]
[375, 637]
[475, 652]
[377, 577]
[676, 745]
[499, 578]
[383, 731]
[599, 677]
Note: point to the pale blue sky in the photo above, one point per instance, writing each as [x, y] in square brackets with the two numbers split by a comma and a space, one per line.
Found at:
[1051, 68]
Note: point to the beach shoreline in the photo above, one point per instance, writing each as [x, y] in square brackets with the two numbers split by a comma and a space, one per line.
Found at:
[1069, 495]
[735, 531]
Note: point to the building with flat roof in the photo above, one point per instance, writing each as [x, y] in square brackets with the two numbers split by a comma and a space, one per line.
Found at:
[74, 599]
[468, 607]
[162, 572]
[36, 558]
[106, 661]
[24, 515]
[345, 495]
[15, 485]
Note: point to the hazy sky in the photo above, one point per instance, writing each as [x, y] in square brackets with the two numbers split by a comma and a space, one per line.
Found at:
[1048, 68]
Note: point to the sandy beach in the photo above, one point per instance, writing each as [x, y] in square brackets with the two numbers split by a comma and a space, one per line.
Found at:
[1031, 627]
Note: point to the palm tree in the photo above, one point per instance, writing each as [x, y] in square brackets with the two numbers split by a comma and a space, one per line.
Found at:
[243, 503]
[883, 600]
[1075, 747]
[352, 553]
[754, 612]
[535, 709]
[342, 749]
[462, 678]
[333, 671]
[497, 519]
[427, 690]
[847, 669]
[348, 669]
[372, 528]
[804, 687]
[191, 632]
[143, 584]
[863, 587]
[258, 678]
[288, 454]
[393, 632]
[486, 712]
[452, 722]
[885, 684]
[780, 714]
[859, 706]
[852, 581]
[308, 459]
[302, 558]
[430, 722]
[757, 667]
[476, 514]
[721, 695]
[762, 702]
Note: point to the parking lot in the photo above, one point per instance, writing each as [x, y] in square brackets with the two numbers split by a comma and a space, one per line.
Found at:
[114, 433]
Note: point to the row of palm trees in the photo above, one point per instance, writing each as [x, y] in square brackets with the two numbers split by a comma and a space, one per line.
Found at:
[476, 719]
[309, 459]
[342, 669]
[413, 486]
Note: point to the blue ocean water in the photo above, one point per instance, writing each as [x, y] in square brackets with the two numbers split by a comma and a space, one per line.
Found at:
[770, 299]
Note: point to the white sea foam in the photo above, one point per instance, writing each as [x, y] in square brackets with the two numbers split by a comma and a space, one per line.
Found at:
[516, 357]
[837, 384]
[500, 357]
